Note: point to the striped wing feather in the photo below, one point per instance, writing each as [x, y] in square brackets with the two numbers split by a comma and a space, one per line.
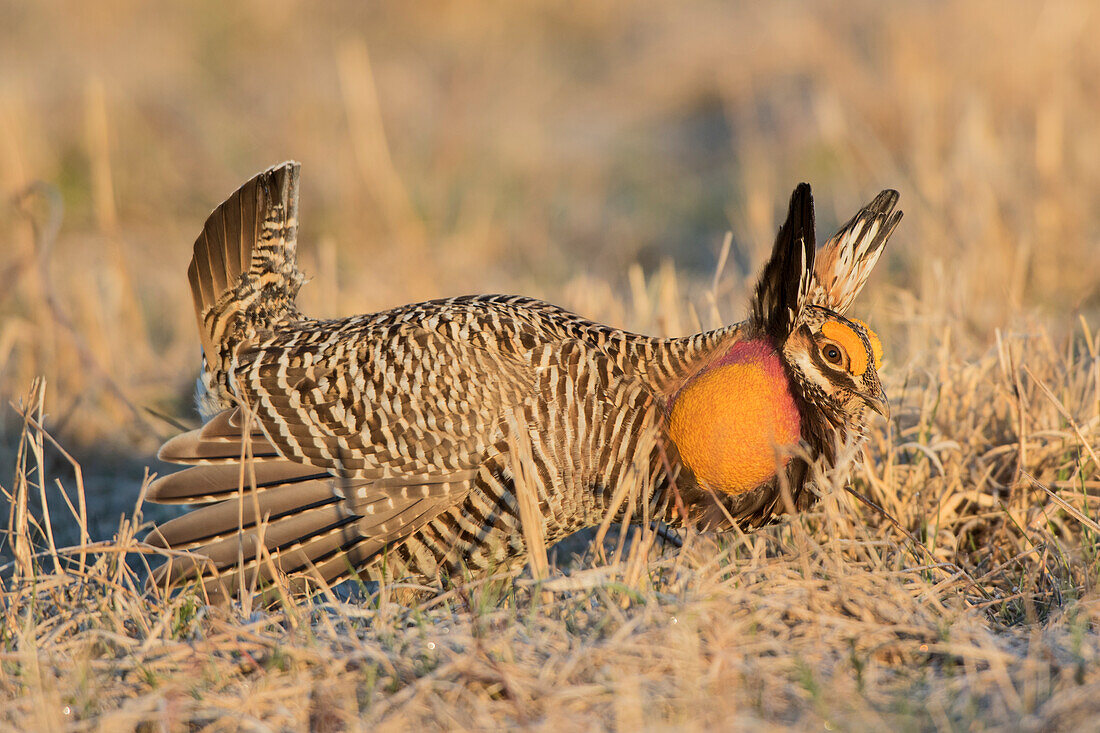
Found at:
[361, 446]
[412, 402]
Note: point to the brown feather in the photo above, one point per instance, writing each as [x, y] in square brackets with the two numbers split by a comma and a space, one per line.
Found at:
[844, 263]
[784, 283]
[259, 221]
[227, 425]
[230, 516]
[322, 534]
[191, 447]
[206, 483]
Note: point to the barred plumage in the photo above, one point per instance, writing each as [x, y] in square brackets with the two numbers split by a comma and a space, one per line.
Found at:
[381, 444]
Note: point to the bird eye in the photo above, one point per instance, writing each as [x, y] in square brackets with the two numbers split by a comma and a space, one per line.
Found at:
[832, 354]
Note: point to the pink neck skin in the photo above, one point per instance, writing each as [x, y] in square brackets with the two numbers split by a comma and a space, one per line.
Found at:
[758, 351]
[762, 353]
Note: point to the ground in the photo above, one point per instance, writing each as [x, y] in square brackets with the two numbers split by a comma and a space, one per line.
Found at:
[594, 155]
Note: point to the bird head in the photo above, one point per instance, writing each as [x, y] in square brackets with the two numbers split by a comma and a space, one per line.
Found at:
[835, 362]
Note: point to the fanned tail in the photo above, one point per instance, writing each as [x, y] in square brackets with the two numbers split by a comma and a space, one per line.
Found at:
[244, 275]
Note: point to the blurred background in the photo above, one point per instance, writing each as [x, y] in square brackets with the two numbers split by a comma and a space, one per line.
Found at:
[592, 154]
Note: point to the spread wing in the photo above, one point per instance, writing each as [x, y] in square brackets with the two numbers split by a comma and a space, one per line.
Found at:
[355, 439]
[366, 435]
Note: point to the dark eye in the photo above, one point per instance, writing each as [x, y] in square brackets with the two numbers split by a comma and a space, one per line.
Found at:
[832, 354]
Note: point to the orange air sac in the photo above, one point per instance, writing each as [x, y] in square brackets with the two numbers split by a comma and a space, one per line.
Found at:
[732, 420]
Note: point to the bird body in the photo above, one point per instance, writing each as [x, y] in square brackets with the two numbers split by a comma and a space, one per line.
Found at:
[387, 444]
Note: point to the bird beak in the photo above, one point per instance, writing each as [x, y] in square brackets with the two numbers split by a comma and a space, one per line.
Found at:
[878, 402]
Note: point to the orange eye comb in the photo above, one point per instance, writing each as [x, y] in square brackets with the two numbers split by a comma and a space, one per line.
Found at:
[846, 336]
[876, 344]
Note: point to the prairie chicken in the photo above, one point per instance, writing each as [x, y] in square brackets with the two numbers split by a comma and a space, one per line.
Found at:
[387, 444]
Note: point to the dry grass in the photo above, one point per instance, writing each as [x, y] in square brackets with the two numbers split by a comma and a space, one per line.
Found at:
[572, 153]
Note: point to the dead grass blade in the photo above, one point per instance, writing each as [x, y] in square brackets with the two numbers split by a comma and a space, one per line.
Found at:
[531, 516]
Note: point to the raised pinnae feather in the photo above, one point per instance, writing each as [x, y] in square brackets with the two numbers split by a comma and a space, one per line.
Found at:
[785, 282]
[846, 260]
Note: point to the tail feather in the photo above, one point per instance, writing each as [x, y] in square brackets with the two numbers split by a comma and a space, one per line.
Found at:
[244, 276]
[309, 518]
[220, 565]
[207, 483]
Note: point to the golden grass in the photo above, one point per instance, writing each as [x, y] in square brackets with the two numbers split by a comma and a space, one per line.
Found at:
[573, 153]
[983, 614]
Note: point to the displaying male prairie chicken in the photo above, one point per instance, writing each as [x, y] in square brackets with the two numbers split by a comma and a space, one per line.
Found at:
[387, 444]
